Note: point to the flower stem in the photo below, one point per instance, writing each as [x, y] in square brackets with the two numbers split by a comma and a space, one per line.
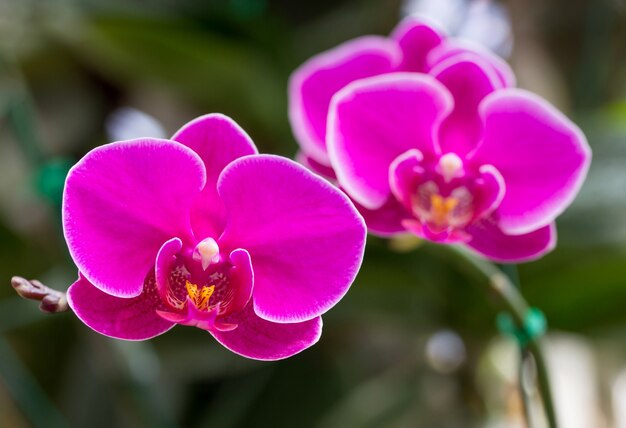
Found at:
[524, 393]
[543, 382]
[517, 307]
[510, 270]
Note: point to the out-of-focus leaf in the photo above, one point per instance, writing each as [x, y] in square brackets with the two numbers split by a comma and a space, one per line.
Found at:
[233, 399]
[27, 393]
[16, 312]
[219, 73]
[377, 401]
[579, 290]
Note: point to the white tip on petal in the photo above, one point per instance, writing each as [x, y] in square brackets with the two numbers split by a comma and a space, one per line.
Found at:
[207, 252]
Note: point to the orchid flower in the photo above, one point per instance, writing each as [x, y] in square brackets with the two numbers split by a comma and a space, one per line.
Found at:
[200, 230]
[428, 136]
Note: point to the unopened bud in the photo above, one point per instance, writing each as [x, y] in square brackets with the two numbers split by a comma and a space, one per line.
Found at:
[52, 301]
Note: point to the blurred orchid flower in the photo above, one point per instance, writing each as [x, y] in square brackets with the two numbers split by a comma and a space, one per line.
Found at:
[427, 135]
[413, 46]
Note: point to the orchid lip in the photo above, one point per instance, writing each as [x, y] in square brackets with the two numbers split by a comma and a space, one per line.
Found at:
[204, 297]
[443, 196]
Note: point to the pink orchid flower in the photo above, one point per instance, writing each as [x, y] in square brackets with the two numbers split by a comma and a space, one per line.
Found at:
[437, 143]
[413, 46]
[201, 230]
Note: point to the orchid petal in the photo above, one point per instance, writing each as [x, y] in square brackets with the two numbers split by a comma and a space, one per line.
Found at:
[451, 236]
[218, 140]
[304, 236]
[490, 241]
[542, 156]
[386, 220]
[315, 82]
[121, 202]
[121, 318]
[406, 173]
[373, 121]
[469, 79]
[163, 265]
[383, 221]
[489, 190]
[416, 39]
[241, 279]
[259, 339]
[322, 170]
[451, 48]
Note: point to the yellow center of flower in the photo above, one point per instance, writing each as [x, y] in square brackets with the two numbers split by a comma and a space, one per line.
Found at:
[442, 212]
[441, 208]
[200, 296]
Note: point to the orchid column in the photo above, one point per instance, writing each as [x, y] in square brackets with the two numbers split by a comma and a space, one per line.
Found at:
[429, 136]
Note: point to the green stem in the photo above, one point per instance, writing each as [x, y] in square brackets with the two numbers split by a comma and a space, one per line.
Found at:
[518, 308]
[510, 270]
[523, 390]
[543, 382]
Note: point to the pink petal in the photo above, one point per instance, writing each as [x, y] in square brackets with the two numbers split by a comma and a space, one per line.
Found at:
[489, 191]
[193, 317]
[314, 83]
[542, 156]
[416, 39]
[406, 173]
[259, 339]
[453, 236]
[121, 202]
[383, 221]
[218, 140]
[491, 242]
[122, 318]
[242, 278]
[469, 79]
[163, 265]
[304, 236]
[322, 170]
[450, 48]
[373, 121]
[386, 220]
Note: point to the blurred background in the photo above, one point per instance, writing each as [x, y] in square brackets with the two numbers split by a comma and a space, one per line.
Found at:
[414, 343]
